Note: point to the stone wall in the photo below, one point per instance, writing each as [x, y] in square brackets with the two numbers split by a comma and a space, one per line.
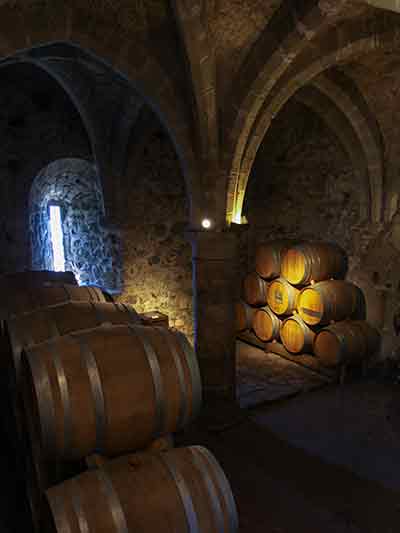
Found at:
[92, 252]
[302, 185]
[38, 125]
[153, 215]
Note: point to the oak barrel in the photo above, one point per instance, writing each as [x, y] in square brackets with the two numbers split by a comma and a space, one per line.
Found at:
[331, 300]
[19, 300]
[347, 341]
[243, 316]
[304, 263]
[266, 325]
[282, 297]
[296, 336]
[178, 491]
[35, 278]
[268, 258]
[108, 390]
[255, 289]
[27, 329]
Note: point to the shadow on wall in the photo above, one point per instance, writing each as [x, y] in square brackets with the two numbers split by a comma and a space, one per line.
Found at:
[92, 251]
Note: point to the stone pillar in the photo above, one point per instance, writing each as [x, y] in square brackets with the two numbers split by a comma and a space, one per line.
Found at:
[215, 286]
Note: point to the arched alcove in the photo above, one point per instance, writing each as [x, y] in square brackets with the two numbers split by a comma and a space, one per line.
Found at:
[92, 251]
[303, 184]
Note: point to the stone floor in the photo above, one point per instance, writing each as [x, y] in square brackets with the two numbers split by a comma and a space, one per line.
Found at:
[264, 377]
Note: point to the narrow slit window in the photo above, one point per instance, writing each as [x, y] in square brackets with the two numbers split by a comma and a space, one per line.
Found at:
[57, 241]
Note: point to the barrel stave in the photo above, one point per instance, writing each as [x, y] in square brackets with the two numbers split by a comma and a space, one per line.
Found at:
[110, 390]
[184, 489]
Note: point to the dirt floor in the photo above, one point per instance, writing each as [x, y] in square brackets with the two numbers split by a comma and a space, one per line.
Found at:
[304, 456]
[320, 460]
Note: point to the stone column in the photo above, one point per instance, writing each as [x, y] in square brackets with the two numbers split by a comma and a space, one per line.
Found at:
[215, 287]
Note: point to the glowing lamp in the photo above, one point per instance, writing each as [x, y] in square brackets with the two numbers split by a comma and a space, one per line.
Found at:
[206, 223]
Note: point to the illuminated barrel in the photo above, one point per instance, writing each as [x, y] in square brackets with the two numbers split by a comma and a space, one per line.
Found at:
[255, 289]
[243, 316]
[282, 297]
[331, 300]
[268, 258]
[108, 390]
[296, 336]
[347, 341]
[179, 491]
[309, 262]
[266, 324]
[29, 298]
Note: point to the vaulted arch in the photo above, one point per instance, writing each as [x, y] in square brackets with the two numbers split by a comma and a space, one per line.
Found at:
[100, 33]
[336, 46]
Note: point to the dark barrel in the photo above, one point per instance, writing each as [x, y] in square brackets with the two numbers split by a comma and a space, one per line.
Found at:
[255, 289]
[268, 258]
[27, 299]
[243, 316]
[179, 491]
[347, 341]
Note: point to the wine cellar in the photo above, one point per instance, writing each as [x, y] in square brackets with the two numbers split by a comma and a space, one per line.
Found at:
[71, 359]
[200, 266]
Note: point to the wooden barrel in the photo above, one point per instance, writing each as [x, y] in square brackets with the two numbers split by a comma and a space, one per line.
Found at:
[296, 336]
[331, 300]
[36, 278]
[26, 299]
[282, 297]
[347, 341]
[309, 262]
[268, 258]
[243, 316]
[266, 324]
[38, 477]
[108, 390]
[255, 289]
[179, 491]
[27, 329]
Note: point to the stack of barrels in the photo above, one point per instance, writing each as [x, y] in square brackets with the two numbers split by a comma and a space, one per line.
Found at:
[298, 296]
[93, 395]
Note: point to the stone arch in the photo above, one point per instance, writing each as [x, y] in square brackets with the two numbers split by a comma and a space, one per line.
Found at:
[92, 252]
[39, 24]
[301, 73]
[288, 33]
